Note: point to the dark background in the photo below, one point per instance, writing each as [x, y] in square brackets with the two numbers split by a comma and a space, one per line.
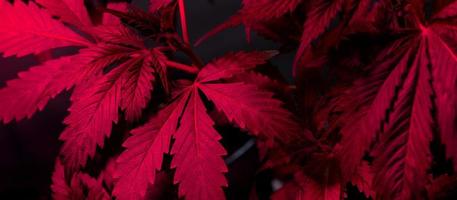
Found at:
[28, 148]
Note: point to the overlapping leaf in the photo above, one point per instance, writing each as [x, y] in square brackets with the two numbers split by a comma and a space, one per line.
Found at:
[95, 108]
[232, 64]
[70, 11]
[401, 115]
[35, 87]
[197, 154]
[137, 165]
[81, 185]
[36, 33]
[44, 82]
[244, 104]
[444, 74]
[399, 102]
[403, 155]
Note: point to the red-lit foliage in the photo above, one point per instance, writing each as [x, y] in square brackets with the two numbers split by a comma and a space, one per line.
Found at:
[374, 98]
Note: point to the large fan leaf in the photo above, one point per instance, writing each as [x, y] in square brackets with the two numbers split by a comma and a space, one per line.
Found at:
[369, 100]
[402, 156]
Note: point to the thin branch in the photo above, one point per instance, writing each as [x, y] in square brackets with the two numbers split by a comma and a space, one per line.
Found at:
[182, 14]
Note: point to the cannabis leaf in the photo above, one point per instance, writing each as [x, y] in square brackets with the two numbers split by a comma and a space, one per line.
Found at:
[197, 153]
[196, 149]
[96, 106]
[72, 12]
[145, 149]
[402, 110]
[36, 86]
[81, 185]
[372, 94]
[319, 17]
[38, 31]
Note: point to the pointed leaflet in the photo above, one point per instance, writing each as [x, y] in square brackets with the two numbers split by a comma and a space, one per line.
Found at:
[119, 35]
[197, 154]
[137, 89]
[318, 19]
[138, 86]
[261, 10]
[98, 57]
[27, 29]
[444, 69]
[92, 113]
[35, 87]
[117, 44]
[447, 12]
[364, 17]
[138, 164]
[263, 82]
[232, 64]
[160, 64]
[70, 11]
[244, 104]
[252, 109]
[369, 100]
[402, 156]
[41, 83]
